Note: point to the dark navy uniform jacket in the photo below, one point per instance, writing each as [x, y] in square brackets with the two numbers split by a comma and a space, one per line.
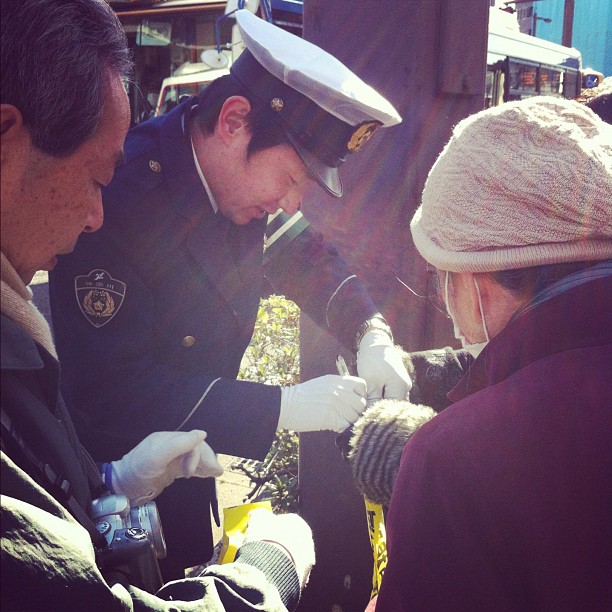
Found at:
[152, 315]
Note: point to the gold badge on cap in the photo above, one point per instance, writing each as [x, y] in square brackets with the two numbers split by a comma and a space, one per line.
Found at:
[361, 135]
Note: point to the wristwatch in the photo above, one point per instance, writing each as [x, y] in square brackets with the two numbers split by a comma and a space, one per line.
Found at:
[376, 322]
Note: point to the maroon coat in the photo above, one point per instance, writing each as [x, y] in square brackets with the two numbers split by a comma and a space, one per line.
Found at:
[504, 501]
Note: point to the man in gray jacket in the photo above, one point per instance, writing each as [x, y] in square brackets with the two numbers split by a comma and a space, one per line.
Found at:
[59, 146]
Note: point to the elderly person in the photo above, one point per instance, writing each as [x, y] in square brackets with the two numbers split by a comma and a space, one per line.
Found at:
[503, 501]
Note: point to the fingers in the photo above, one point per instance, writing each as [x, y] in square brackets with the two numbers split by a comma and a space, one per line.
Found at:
[385, 373]
[208, 466]
[330, 402]
[358, 385]
[201, 462]
[177, 443]
[351, 395]
[190, 463]
[352, 392]
[396, 389]
[349, 389]
[374, 392]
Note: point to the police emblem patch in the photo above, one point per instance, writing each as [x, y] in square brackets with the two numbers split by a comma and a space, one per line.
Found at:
[99, 296]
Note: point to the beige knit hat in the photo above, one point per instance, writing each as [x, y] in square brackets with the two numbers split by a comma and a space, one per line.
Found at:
[522, 184]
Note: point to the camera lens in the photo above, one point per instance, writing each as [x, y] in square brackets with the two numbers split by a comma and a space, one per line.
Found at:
[147, 517]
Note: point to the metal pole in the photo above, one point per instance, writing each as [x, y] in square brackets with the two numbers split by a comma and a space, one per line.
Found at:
[568, 23]
[429, 58]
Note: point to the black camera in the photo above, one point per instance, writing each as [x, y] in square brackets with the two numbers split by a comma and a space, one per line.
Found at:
[135, 541]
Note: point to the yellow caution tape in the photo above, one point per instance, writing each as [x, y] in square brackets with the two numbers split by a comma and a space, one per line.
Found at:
[235, 521]
[378, 540]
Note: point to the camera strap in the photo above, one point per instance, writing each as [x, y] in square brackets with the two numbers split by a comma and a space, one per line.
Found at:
[56, 483]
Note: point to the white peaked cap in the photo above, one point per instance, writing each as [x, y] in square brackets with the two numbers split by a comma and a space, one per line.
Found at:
[314, 73]
[325, 110]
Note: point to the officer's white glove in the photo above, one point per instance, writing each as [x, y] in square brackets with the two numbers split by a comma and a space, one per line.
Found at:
[159, 460]
[380, 363]
[328, 402]
[290, 532]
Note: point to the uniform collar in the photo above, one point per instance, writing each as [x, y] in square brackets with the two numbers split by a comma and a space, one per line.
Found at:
[177, 161]
[213, 202]
[198, 168]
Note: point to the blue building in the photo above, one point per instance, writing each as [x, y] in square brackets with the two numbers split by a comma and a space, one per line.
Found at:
[591, 32]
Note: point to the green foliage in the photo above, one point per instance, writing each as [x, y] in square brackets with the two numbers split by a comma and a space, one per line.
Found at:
[273, 357]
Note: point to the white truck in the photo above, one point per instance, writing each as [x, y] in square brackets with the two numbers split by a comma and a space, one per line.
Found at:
[188, 80]
[191, 77]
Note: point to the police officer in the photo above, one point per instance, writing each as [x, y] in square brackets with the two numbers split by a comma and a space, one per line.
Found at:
[152, 314]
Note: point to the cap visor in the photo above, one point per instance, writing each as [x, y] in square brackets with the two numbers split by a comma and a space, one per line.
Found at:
[326, 176]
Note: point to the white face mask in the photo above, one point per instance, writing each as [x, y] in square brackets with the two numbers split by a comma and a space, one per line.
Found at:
[474, 349]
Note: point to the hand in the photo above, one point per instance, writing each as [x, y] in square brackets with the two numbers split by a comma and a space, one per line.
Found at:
[328, 402]
[159, 460]
[290, 532]
[380, 363]
[434, 373]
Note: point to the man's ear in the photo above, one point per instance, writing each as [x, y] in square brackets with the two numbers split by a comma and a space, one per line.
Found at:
[232, 119]
[14, 134]
[11, 120]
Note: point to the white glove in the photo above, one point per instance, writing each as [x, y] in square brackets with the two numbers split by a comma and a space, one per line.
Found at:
[290, 532]
[159, 460]
[328, 402]
[380, 363]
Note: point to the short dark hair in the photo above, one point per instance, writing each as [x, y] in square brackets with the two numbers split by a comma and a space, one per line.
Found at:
[265, 131]
[57, 57]
[529, 281]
